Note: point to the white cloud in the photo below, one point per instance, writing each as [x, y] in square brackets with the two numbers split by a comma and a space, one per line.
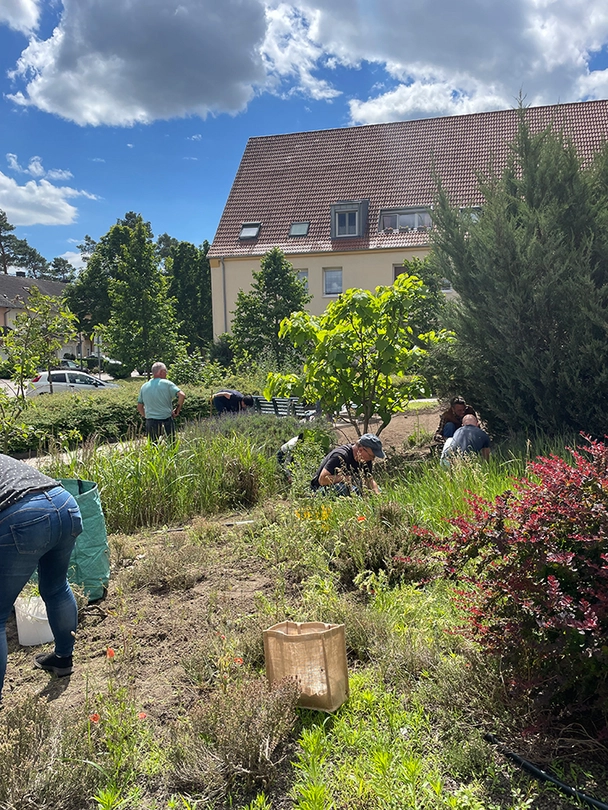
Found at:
[36, 169]
[197, 137]
[291, 53]
[74, 258]
[20, 15]
[116, 63]
[111, 62]
[38, 202]
[452, 58]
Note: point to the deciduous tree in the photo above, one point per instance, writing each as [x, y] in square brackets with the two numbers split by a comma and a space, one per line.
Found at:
[355, 350]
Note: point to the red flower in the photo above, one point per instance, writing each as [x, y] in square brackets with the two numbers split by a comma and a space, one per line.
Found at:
[361, 518]
[110, 654]
[94, 718]
[238, 661]
[142, 716]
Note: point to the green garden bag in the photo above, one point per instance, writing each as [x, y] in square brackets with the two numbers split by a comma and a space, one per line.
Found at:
[90, 561]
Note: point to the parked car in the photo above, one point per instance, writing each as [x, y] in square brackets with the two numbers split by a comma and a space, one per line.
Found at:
[73, 381]
[69, 364]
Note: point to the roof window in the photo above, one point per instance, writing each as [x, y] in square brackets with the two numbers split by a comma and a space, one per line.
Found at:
[299, 228]
[401, 220]
[250, 230]
[349, 218]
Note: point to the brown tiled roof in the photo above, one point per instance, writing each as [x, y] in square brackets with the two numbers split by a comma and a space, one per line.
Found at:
[291, 178]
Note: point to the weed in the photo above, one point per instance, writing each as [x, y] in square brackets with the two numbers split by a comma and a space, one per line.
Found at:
[160, 571]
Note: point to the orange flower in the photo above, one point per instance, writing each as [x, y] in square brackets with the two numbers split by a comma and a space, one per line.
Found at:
[361, 518]
[110, 654]
[142, 716]
[94, 718]
[238, 661]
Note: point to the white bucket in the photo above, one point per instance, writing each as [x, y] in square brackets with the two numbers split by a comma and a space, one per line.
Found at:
[32, 622]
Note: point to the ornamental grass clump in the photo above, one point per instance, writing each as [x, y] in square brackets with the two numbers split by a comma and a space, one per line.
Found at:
[535, 561]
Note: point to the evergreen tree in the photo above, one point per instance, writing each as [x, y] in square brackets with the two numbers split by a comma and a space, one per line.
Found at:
[190, 284]
[275, 293]
[142, 327]
[88, 297]
[16, 252]
[531, 272]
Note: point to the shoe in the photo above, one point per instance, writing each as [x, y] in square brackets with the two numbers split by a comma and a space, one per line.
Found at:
[50, 662]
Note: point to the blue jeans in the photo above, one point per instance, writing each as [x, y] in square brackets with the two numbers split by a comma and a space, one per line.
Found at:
[449, 429]
[40, 531]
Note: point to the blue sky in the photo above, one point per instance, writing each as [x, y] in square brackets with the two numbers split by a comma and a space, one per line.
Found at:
[111, 106]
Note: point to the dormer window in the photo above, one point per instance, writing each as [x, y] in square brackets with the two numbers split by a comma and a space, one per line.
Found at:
[250, 230]
[401, 220]
[349, 218]
[299, 229]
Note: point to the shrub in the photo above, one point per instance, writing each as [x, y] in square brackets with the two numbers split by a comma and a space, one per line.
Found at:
[537, 564]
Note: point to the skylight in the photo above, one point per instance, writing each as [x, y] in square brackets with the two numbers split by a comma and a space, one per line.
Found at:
[249, 230]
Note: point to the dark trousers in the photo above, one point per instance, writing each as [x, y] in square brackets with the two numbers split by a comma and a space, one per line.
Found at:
[155, 428]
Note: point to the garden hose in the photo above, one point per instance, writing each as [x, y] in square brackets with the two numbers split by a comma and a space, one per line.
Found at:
[543, 776]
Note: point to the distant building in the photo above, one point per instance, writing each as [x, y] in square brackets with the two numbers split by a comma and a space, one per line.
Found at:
[14, 293]
[347, 206]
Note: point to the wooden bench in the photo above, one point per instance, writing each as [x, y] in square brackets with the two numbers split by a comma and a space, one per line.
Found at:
[283, 406]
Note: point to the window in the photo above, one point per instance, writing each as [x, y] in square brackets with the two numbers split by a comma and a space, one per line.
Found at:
[250, 230]
[58, 377]
[80, 379]
[332, 281]
[299, 228]
[302, 275]
[405, 219]
[474, 211]
[349, 218]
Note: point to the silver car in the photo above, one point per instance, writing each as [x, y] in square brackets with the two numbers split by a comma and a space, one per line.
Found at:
[74, 381]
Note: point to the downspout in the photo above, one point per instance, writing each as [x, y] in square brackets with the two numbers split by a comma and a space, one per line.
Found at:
[224, 294]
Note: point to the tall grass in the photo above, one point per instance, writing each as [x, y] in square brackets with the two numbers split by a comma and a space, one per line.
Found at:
[154, 484]
[436, 494]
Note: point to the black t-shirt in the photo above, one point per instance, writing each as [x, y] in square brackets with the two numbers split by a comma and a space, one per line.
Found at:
[18, 478]
[342, 458]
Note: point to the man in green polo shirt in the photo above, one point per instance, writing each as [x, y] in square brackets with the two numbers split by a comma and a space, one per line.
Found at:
[155, 402]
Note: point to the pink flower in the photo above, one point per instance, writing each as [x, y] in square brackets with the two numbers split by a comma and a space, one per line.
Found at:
[142, 716]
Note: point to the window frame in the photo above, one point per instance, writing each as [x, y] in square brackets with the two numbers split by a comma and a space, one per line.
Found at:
[251, 226]
[359, 208]
[417, 211]
[295, 224]
[326, 271]
[302, 274]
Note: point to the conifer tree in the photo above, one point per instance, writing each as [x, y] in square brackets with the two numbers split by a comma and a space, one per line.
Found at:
[275, 293]
[531, 271]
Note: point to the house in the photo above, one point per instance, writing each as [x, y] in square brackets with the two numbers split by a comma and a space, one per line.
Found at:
[347, 206]
[14, 292]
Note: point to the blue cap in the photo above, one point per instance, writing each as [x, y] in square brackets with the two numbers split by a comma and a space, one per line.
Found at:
[373, 442]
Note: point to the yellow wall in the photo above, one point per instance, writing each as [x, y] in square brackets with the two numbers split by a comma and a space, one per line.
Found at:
[365, 269]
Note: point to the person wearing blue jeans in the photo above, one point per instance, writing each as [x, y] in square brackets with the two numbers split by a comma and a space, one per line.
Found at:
[39, 524]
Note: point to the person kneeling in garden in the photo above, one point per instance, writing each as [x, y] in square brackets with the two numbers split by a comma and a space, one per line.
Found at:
[346, 468]
[468, 439]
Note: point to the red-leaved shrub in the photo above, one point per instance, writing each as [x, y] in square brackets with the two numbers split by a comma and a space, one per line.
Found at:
[536, 560]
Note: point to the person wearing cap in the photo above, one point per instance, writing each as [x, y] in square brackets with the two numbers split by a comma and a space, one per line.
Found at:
[451, 419]
[346, 468]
